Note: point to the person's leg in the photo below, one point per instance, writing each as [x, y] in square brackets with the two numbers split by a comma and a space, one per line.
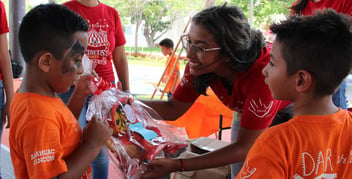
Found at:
[339, 97]
[1, 121]
[236, 119]
[169, 95]
[82, 117]
[100, 165]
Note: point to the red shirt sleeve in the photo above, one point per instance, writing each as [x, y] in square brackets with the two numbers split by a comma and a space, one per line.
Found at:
[4, 28]
[258, 112]
[185, 91]
[119, 35]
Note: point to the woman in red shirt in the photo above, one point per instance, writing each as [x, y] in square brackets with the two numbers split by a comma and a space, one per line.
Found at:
[228, 56]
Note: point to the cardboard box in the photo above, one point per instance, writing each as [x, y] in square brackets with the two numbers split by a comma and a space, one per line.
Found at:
[200, 146]
[205, 144]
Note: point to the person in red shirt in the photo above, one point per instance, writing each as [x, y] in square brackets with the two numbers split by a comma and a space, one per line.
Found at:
[311, 56]
[307, 7]
[6, 83]
[228, 56]
[45, 138]
[106, 49]
[167, 46]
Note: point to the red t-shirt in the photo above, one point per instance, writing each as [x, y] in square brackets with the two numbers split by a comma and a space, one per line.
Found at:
[343, 6]
[4, 28]
[105, 33]
[250, 95]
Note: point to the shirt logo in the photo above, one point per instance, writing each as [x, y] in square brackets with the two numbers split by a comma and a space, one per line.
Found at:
[184, 81]
[42, 156]
[247, 172]
[98, 43]
[259, 109]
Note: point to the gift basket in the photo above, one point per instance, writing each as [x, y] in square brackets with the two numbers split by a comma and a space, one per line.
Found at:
[139, 134]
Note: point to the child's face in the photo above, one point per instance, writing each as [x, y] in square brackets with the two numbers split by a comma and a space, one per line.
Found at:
[275, 72]
[166, 51]
[69, 68]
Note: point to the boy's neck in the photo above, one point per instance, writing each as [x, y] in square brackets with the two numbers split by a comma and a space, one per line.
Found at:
[316, 106]
[89, 3]
[31, 84]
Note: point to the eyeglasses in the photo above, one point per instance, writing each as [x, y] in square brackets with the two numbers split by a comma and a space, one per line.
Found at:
[198, 50]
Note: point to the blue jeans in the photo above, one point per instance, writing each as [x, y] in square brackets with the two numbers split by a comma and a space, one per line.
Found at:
[2, 104]
[100, 165]
[339, 98]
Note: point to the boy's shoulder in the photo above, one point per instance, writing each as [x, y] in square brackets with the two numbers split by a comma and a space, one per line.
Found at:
[298, 126]
[36, 104]
[275, 131]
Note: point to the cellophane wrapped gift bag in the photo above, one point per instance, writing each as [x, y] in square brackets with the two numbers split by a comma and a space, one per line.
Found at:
[139, 134]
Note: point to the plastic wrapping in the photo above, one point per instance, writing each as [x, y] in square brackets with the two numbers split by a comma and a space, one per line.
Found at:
[139, 134]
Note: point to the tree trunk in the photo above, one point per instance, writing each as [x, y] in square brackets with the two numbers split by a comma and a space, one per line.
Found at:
[138, 23]
[149, 36]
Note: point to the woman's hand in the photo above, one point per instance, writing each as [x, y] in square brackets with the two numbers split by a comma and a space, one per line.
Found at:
[161, 167]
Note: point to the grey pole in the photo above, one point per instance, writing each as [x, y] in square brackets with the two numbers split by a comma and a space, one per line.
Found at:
[251, 12]
[17, 11]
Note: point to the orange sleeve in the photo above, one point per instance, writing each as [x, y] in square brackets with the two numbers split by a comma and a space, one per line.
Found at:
[264, 159]
[42, 149]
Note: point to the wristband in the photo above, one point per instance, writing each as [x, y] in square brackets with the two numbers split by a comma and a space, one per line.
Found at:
[182, 165]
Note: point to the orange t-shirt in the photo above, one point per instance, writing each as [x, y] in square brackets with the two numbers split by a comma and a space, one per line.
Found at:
[175, 78]
[43, 132]
[304, 147]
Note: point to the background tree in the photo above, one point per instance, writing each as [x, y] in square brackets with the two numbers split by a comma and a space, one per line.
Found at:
[265, 11]
[154, 17]
[157, 19]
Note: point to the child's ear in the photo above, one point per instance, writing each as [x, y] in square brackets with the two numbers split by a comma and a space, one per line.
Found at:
[45, 61]
[303, 81]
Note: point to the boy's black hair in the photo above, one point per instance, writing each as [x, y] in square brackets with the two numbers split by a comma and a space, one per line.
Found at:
[49, 27]
[320, 44]
[168, 43]
[232, 32]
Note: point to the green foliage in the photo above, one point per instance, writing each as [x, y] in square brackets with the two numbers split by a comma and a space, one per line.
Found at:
[265, 11]
[157, 20]
[158, 15]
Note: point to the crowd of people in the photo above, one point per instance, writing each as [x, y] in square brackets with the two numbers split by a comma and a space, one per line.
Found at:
[290, 96]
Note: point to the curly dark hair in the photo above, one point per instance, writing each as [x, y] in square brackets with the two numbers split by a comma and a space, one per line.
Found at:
[299, 6]
[231, 31]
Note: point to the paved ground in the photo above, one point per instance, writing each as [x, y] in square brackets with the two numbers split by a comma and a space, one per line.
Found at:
[140, 78]
[5, 163]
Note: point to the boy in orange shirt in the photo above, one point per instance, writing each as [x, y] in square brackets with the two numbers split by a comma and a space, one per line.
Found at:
[167, 46]
[310, 58]
[45, 135]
